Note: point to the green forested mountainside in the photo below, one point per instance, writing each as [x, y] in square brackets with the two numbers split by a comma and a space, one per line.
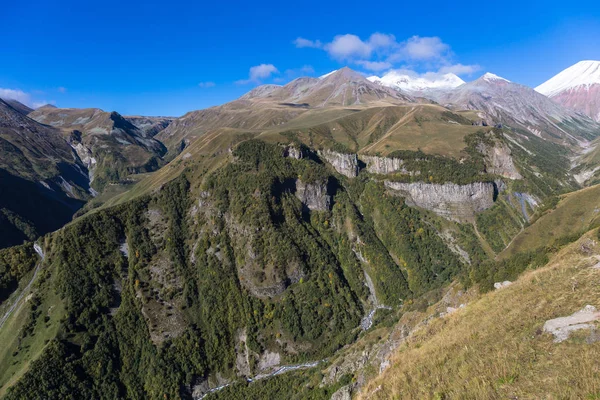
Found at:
[205, 277]
[238, 256]
[15, 262]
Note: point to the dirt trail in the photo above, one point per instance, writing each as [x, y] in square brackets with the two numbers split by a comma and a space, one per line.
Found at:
[400, 122]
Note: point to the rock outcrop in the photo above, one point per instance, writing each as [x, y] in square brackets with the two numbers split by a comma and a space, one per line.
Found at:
[293, 151]
[345, 164]
[383, 165]
[313, 195]
[498, 160]
[448, 200]
[562, 327]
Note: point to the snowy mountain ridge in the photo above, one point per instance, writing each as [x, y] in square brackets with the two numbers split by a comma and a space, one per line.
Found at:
[577, 87]
[584, 73]
[403, 81]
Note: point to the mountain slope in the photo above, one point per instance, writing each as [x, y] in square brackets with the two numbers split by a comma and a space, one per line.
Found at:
[20, 107]
[496, 346]
[272, 106]
[42, 181]
[343, 87]
[577, 87]
[150, 126]
[111, 146]
[521, 107]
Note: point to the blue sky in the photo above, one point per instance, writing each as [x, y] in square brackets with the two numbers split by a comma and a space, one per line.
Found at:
[167, 58]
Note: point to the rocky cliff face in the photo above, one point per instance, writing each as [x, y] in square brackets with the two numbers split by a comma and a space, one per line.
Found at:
[499, 161]
[313, 195]
[293, 151]
[451, 201]
[345, 164]
[383, 165]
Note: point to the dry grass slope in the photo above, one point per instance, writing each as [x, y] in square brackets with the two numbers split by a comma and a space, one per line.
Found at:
[495, 348]
[576, 213]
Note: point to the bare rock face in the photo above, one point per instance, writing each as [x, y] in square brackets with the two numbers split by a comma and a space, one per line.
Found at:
[292, 151]
[499, 161]
[344, 393]
[562, 327]
[313, 195]
[383, 165]
[345, 164]
[448, 200]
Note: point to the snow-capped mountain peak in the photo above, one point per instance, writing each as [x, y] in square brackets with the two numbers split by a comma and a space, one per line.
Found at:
[584, 73]
[412, 83]
[488, 76]
[577, 87]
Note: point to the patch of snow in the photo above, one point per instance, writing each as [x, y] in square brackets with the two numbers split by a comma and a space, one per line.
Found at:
[330, 73]
[402, 80]
[488, 76]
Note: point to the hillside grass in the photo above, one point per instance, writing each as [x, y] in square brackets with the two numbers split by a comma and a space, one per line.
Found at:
[575, 213]
[495, 348]
[17, 350]
[380, 129]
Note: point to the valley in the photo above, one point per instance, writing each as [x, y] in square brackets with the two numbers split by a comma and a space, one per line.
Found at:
[330, 238]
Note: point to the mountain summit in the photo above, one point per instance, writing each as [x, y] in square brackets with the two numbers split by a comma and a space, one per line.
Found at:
[488, 76]
[577, 87]
[340, 87]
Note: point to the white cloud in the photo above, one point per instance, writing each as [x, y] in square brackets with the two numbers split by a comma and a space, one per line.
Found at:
[374, 65]
[382, 40]
[15, 94]
[301, 42]
[424, 48]
[382, 51]
[307, 69]
[24, 97]
[207, 84]
[259, 73]
[459, 69]
[62, 89]
[296, 72]
[348, 46]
